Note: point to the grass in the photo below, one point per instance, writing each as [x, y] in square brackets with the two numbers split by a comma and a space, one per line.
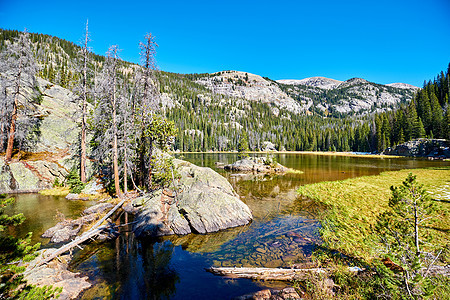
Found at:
[56, 191]
[354, 204]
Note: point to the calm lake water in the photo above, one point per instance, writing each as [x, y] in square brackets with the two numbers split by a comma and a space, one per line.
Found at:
[283, 233]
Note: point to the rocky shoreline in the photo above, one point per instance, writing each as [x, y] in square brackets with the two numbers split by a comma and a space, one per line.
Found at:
[430, 148]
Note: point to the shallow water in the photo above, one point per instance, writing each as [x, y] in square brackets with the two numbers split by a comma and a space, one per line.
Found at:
[282, 233]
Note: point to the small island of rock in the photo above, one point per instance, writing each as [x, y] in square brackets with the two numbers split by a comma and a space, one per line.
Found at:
[263, 165]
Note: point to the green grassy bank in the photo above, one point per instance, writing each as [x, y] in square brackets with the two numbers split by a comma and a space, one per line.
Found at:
[354, 204]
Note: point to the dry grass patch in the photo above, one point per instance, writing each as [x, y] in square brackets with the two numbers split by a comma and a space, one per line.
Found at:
[56, 191]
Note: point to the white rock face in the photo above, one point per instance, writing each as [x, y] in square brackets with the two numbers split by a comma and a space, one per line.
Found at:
[320, 82]
[250, 87]
[355, 95]
[400, 85]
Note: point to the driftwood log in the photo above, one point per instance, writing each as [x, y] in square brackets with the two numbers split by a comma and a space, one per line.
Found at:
[266, 273]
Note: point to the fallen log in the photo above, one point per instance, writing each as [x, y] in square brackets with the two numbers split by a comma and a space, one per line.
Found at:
[266, 273]
[280, 274]
[95, 230]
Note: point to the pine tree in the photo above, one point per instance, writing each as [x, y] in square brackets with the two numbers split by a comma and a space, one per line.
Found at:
[243, 145]
[83, 57]
[148, 101]
[401, 232]
[12, 251]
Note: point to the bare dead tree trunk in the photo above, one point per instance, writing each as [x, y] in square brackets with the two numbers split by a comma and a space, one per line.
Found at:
[125, 158]
[115, 153]
[83, 117]
[12, 128]
[416, 228]
[2, 134]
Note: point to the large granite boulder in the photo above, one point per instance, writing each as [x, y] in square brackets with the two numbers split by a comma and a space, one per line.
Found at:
[203, 201]
[433, 148]
[29, 176]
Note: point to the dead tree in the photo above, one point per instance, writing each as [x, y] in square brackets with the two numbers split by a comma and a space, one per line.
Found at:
[83, 55]
[19, 69]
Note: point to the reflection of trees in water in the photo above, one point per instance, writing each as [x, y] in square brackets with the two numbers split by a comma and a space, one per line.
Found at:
[158, 277]
[129, 268]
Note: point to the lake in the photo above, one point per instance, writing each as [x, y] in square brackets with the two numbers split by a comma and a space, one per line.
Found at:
[283, 232]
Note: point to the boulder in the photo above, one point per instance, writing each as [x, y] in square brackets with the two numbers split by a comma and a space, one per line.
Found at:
[204, 201]
[92, 187]
[256, 164]
[268, 146]
[29, 176]
[433, 148]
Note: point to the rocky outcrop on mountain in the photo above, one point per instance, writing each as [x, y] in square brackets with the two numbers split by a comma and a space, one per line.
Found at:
[203, 201]
[320, 82]
[257, 165]
[355, 95]
[252, 87]
[405, 86]
[432, 148]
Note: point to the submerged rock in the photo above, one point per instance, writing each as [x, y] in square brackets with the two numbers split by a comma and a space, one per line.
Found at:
[204, 201]
[267, 294]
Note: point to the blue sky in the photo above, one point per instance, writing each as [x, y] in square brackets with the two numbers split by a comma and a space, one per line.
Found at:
[381, 41]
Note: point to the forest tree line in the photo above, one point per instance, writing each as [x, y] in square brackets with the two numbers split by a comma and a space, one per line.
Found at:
[212, 122]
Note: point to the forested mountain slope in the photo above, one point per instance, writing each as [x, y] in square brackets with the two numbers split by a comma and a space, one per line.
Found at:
[212, 110]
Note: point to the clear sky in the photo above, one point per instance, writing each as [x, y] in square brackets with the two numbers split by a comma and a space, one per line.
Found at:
[383, 41]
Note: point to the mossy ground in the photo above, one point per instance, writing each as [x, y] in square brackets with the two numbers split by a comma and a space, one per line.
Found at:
[354, 204]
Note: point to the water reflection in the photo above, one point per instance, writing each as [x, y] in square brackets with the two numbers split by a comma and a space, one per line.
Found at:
[137, 269]
[127, 268]
[283, 232]
[41, 213]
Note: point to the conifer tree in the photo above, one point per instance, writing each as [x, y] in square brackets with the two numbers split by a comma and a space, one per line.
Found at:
[12, 251]
[148, 102]
[243, 145]
[401, 231]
